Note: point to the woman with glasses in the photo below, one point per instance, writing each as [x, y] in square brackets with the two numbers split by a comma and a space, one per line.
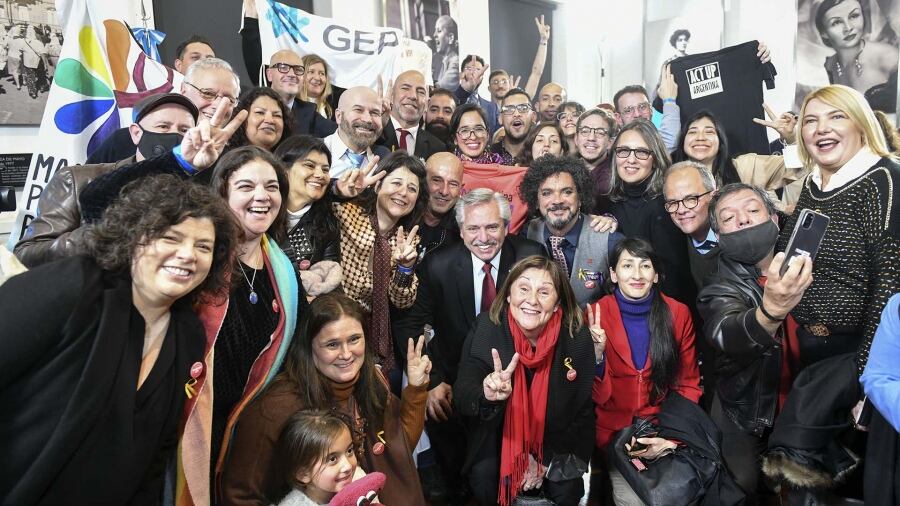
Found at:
[268, 123]
[567, 118]
[313, 240]
[469, 136]
[545, 137]
[703, 140]
[636, 200]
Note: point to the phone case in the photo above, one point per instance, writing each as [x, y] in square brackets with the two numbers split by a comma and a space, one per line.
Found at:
[806, 237]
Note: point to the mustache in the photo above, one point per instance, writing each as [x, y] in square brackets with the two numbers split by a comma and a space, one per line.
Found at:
[558, 207]
[485, 243]
[363, 124]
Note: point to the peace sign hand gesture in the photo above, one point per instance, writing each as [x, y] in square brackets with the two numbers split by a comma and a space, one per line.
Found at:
[405, 250]
[418, 366]
[471, 79]
[498, 384]
[352, 182]
[598, 335]
[202, 144]
[543, 28]
[785, 124]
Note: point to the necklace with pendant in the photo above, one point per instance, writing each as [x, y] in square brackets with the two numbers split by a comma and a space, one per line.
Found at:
[253, 297]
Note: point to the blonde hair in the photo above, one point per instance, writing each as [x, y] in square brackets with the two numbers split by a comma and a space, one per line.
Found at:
[854, 105]
[321, 102]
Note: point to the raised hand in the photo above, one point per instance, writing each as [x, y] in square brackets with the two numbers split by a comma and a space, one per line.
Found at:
[439, 404]
[603, 223]
[543, 29]
[514, 81]
[250, 9]
[385, 94]
[405, 251]
[667, 86]
[498, 384]
[352, 182]
[785, 124]
[762, 51]
[471, 79]
[418, 366]
[203, 143]
[598, 335]
[782, 293]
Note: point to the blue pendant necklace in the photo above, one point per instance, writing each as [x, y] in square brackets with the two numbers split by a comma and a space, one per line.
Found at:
[253, 297]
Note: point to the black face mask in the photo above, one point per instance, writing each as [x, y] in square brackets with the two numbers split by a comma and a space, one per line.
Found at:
[749, 245]
[155, 144]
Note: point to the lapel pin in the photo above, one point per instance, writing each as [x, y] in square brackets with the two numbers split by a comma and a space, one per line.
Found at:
[571, 374]
[378, 448]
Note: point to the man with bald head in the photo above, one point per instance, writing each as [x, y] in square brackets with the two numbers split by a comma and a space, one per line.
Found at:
[359, 125]
[443, 178]
[284, 74]
[548, 101]
[404, 130]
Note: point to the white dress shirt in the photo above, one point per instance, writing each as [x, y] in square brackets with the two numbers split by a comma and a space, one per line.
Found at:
[478, 277]
[340, 163]
[411, 140]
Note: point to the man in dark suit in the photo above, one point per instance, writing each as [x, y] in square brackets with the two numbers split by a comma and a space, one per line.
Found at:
[455, 284]
[283, 74]
[403, 130]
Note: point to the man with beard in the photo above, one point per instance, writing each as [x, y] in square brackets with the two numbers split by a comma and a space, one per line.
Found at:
[359, 119]
[437, 116]
[284, 73]
[57, 232]
[549, 100]
[409, 97]
[443, 177]
[457, 283]
[594, 134]
[446, 53]
[688, 189]
[746, 313]
[205, 81]
[552, 189]
[517, 118]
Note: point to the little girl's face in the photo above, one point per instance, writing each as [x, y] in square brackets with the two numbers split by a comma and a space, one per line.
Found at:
[334, 472]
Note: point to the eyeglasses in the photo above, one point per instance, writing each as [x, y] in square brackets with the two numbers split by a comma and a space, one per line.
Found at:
[631, 109]
[639, 153]
[599, 131]
[689, 202]
[566, 115]
[470, 68]
[511, 109]
[210, 94]
[465, 133]
[498, 82]
[299, 70]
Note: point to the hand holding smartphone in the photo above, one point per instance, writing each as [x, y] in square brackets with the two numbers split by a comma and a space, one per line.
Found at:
[806, 237]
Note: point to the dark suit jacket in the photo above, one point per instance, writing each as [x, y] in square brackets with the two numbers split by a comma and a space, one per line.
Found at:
[446, 301]
[308, 122]
[426, 143]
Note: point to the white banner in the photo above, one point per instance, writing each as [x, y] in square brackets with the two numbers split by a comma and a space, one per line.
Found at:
[356, 55]
[102, 73]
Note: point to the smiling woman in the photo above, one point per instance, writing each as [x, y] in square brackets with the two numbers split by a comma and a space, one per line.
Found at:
[269, 121]
[95, 372]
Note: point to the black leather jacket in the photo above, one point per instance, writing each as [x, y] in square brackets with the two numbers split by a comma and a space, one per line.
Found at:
[748, 359]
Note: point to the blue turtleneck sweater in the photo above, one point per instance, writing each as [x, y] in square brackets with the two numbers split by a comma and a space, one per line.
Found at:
[635, 318]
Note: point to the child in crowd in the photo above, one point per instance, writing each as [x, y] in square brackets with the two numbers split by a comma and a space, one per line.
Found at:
[317, 457]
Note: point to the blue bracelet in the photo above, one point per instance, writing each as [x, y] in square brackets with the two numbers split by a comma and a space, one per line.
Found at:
[667, 100]
[404, 270]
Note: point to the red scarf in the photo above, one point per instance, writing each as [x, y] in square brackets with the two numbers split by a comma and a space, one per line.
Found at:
[526, 409]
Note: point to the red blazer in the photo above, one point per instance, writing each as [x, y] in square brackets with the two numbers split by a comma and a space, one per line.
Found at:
[623, 391]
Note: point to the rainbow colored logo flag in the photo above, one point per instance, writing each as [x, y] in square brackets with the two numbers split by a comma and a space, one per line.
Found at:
[102, 73]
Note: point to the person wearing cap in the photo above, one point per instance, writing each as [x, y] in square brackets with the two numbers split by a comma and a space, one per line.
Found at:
[160, 122]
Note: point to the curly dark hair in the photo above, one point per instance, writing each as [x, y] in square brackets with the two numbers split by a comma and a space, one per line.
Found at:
[237, 158]
[678, 33]
[526, 159]
[246, 101]
[398, 159]
[550, 165]
[146, 209]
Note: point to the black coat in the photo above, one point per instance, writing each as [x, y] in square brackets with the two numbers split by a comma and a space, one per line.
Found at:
[446, 300]
[308, 121]
[426, 143]
[569, 424]
[748, 359]
[74, 429]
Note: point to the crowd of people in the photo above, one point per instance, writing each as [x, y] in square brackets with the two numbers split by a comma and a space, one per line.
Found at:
[261, 295]
[29, 54]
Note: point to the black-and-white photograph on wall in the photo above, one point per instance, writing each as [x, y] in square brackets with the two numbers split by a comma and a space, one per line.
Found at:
[432, 22]
[675, 29]
[30, 43]
[849, 42]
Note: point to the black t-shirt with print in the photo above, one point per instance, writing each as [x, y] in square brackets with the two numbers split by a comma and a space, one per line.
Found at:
[727, 83]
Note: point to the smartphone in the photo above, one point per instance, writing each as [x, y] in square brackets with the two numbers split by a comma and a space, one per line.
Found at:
[806, 237]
